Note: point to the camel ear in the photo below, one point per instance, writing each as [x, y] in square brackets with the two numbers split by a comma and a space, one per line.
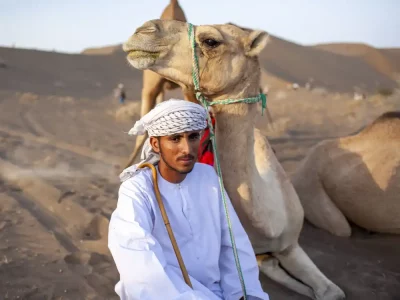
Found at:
[255, 42]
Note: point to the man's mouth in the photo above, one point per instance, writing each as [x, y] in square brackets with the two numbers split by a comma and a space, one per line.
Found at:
[186, 158]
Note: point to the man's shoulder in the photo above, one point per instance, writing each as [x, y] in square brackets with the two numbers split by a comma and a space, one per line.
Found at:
[139, 181]
[204, 170]
[204, 167]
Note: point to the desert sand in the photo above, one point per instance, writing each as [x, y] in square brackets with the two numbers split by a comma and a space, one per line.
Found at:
[63, 141]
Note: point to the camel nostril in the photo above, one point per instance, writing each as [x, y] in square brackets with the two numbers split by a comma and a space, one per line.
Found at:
[147, 28]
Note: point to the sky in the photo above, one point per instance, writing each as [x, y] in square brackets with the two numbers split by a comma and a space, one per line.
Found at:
[73, 25]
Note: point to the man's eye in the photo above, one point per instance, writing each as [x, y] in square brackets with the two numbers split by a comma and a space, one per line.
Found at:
[195, 136]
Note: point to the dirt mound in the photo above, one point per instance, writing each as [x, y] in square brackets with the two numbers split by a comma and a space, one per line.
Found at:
[97, 229]
[103, 50]
[128, 112]
[372, 56]
[393, 55]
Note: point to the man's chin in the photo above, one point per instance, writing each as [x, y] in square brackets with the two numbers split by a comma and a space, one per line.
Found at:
[186, 170]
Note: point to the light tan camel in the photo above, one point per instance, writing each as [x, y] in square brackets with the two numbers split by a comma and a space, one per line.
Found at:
[356, 178]
[260, 191]
[154, 85]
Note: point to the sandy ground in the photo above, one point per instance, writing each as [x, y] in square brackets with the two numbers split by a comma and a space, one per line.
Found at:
[59, 160]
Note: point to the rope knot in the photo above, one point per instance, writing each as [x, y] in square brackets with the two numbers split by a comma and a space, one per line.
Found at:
[199, 95]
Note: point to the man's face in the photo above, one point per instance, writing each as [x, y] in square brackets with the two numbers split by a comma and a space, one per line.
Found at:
[178, 151]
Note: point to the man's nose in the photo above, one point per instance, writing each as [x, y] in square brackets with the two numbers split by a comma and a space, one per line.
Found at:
[186, 146]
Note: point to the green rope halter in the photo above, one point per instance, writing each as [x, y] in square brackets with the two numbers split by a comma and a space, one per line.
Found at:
[201, 98]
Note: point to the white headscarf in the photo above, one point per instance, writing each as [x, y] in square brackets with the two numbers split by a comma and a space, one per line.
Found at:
[167, 118]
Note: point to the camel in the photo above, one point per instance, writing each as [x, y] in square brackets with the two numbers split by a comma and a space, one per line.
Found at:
[154, 85]
[260, 191]
[354, 178]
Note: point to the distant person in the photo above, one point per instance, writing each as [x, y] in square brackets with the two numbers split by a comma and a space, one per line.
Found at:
[120, 93]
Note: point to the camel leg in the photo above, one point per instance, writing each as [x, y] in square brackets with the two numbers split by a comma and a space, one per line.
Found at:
[325, 214]
[138, 147]
[319, 209]
[297, 263]
[189, 96]
[270, 267]
[160, 97]
[152, 87]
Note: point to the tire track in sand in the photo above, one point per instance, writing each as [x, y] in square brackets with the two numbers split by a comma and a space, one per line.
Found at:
[35, 125]
[72, 224]
[30, 247]
[46, 220]
[26, 124]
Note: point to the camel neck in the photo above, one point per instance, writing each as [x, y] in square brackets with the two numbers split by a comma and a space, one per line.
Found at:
[235, 126]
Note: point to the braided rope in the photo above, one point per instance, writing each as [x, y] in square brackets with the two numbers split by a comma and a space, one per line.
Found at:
[200, 97]
[195, 71]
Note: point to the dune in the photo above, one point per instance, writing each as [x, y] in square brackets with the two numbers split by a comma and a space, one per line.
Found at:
[379, 59]
[334, 72]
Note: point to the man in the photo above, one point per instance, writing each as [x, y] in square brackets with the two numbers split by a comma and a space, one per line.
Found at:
[138, 238]
[120, 93]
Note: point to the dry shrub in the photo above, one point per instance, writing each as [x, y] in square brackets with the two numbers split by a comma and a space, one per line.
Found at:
[320, 91]
[386, 92]
[128, 112]
[278, 127]
[66, 100]
[28, 98]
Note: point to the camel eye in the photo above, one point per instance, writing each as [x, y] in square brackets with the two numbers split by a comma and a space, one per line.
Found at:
[211, 43]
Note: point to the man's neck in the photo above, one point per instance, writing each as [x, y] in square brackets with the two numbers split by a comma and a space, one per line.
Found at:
[170, 174]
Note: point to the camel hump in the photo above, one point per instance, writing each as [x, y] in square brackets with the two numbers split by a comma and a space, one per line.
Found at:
[388, 116]
[387, 124]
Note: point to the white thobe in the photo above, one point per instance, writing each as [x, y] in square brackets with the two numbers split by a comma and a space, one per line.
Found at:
[143, 253]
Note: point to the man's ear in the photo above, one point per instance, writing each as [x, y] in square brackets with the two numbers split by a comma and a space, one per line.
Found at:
[155, 144]
[255, 42]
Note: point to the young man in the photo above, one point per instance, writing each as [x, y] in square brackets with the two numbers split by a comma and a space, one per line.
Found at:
[138, 239]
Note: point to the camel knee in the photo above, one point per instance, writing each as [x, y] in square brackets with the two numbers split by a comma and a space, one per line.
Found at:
[271, 268]
[321, 211]
[267, 263]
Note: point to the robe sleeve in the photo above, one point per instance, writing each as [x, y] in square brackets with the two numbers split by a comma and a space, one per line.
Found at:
[230, 282]
[138, 256]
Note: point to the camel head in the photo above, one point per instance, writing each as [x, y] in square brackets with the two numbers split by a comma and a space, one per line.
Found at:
[227, 54]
